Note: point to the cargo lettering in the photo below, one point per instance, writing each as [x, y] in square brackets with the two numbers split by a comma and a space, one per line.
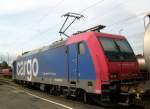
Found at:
[28, 68]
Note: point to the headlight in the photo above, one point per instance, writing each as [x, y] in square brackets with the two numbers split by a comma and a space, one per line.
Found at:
[113, 76]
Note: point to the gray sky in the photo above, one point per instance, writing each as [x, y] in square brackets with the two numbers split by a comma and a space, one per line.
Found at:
[30, 24]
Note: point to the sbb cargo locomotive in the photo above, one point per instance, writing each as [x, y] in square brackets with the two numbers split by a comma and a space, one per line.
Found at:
[91, 64]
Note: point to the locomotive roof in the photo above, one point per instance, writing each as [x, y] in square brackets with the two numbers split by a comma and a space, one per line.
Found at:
[86, 35]
[44, 48]
[74, 38]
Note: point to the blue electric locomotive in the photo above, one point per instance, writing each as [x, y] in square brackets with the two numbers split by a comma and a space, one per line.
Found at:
[93, 63]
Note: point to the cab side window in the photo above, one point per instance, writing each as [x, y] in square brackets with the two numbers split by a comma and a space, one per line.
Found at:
[81, 48]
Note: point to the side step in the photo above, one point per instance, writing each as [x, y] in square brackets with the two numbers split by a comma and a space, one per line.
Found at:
[124, 104]
[123, 93]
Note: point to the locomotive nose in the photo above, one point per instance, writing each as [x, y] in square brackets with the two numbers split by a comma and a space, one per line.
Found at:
[123, 70]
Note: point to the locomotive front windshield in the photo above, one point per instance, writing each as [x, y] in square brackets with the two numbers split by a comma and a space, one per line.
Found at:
[117, 49]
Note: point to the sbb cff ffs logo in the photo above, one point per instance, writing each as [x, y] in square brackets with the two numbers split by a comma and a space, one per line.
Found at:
[28, 68]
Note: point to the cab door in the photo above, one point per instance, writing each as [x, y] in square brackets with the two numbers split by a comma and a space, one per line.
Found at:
[72, 63]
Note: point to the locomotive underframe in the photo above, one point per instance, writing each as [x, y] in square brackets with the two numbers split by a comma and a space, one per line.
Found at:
[127, 92]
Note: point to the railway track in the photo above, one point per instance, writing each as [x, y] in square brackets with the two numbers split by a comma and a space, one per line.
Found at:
[10, 83]
[45, 95]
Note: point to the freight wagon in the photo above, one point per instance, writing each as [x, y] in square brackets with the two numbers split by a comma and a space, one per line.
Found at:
[147, 58]
[7, 72]
[91, 64]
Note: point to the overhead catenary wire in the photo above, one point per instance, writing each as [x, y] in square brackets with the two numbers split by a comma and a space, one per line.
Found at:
[84, 10]
[91, 6]
[81, 11]
[42, 18]
[55, 6]
[118, 22]
[113, 8]
[128, 19]
[47, 14]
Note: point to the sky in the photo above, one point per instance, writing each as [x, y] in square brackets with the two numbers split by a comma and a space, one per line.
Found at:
[29, 24]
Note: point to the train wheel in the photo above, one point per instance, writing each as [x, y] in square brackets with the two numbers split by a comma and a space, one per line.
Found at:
[66, 93]
[42, 87]
[85, 97]
[54, 90]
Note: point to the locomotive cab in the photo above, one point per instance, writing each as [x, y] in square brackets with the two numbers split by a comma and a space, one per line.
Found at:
[121, 59]
[124, 79]
[115, 66]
